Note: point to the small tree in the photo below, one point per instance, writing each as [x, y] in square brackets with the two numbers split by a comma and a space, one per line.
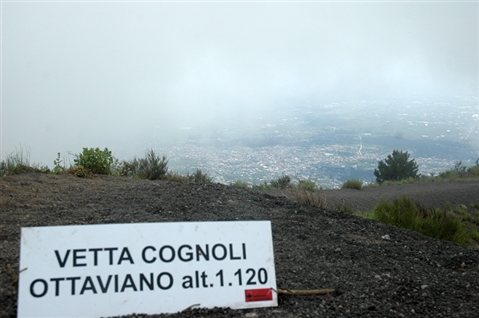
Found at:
[199, 177]
[395, 167]
[281, 183]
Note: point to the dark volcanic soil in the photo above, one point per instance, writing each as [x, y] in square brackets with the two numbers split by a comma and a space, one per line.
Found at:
[408, 275]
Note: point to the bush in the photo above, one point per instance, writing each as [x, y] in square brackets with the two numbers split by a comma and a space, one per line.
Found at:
[80, 172]
[431, 222]
[346, 209]
[281, 183]
[123, 168]
[95, 160]
[396, 167]
[352, 184]
[450, 174]
[474, 170]
[151, 167]
[199, 177]
[308, 185]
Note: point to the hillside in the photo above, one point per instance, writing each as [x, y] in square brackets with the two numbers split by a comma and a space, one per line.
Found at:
[314, 248]
[429, 194]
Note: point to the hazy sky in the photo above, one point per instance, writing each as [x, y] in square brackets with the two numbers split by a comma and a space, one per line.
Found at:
[83, 74]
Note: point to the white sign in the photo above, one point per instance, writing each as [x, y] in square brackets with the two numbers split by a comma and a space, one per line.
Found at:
[149, 268]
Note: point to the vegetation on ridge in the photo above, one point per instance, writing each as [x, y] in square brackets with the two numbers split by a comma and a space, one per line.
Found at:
[459, 224]
[96, 161]
[19, 162]
[395, 169]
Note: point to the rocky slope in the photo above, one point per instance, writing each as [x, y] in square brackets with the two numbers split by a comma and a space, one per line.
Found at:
[406, 275]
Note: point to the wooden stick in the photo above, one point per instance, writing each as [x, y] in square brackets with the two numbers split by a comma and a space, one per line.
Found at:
[306, 292]
[194, 305]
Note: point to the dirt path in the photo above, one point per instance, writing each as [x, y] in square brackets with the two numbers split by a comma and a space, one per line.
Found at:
[429, 194]
[410, 274]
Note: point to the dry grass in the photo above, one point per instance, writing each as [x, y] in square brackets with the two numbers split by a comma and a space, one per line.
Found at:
[314, 198]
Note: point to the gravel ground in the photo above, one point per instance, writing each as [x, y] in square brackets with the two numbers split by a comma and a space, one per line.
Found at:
[407, 275]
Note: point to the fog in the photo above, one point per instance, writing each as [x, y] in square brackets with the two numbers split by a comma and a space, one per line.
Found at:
[120, 74]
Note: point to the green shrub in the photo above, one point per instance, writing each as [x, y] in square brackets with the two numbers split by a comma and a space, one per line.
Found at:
[123, 168]
[281, 183]
[450, 174]
[401, 213]
[352, 184]
[347, 210]
[261, 186]
[95, 160]
[151, 167]
[308, 185]
[475, 217]
[461, 212]
[199, 177]
[474, 170]
[431, 222]
[474, 205]
[80, 172]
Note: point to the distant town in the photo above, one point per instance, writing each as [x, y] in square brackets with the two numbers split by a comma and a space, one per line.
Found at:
[330, 142]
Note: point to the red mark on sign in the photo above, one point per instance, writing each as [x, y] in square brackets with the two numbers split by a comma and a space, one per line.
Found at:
[262, 294]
